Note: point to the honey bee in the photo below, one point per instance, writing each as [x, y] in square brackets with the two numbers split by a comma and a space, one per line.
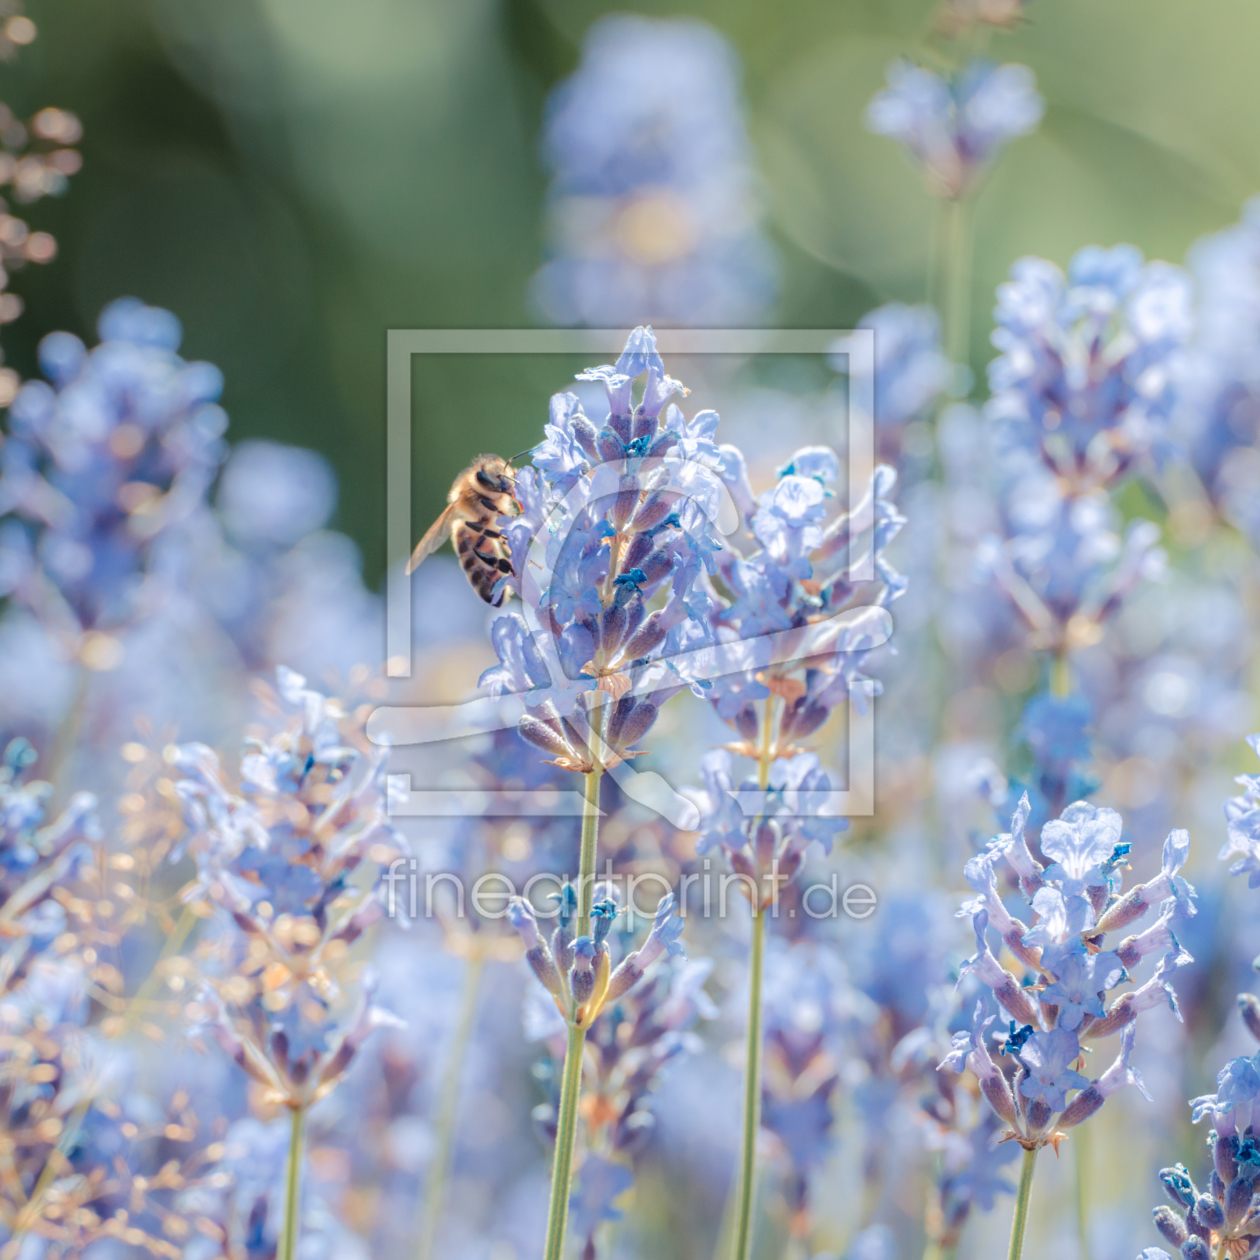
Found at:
[481, 494]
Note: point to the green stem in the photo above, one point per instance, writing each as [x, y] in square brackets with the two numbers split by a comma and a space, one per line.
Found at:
[1081, 1161]
[1020, 1223]
[571, 1082]
[590, 841]
[1060, 675]
[435, 1191]
[289, 1239]
[566, 1131]
[752, 1092]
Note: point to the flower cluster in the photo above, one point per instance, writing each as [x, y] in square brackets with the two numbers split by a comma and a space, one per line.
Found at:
[1075, 902]
[794, 629]
[577, 970]
[103, 464]
[797, 586]
[653, 209]
[611, 518]
[955, 127]
[810, 1013]
[1081, 396]
[280, 856]
[1223, 1219]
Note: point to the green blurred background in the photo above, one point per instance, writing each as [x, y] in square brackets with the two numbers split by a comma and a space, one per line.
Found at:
[294, 177]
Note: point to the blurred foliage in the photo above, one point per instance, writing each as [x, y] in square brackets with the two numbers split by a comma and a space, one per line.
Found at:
[294, 177]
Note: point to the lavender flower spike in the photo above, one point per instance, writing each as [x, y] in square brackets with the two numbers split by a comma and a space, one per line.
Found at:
[1069, 972]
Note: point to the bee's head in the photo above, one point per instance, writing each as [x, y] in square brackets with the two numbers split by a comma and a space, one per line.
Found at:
[496, 474]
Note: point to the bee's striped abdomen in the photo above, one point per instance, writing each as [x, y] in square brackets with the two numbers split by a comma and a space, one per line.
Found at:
[484, 556]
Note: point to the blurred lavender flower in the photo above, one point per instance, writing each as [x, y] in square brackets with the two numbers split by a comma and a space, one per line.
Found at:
[1081, 396]
[279, 855]
[241, 1205]
[652, 211]
[1056, 730]
[799, 579]
[90, 1157]
[286, 589]
[38, 862]
[911, 369]
[956, 127]
[1222, 1219]
[798, 582]
[811, 1013]
[1218, 384]
[102, 467]
[1242, 816]
[957, 1123]
[1084, 377]
[1075, 902]
[766, 850]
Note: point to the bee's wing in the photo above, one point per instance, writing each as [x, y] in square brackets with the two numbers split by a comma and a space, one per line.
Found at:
[437, 534]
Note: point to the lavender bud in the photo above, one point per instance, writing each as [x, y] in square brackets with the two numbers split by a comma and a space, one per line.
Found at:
[543, 735]
[587, 438]
[541, 963]
[767, 843]
[804, 719]
[603, 914]
[1238, 1199]
[1216, 1186]
[1170, 1225]
[582, 981]
[629, 972]
[631, 720]
[1039, 1114]
[747, 724]
[646, 639]
[612, 627]
[658, 566]
[998, 1092]
[1178, 1184]
[609, 444]
[1088, 1101]
[1195, 1249]
[652, 511]
[1133, 905]
[1209, 1211]
[639, 549]
[1249, 1008]
[626, 501]
[562, 937]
